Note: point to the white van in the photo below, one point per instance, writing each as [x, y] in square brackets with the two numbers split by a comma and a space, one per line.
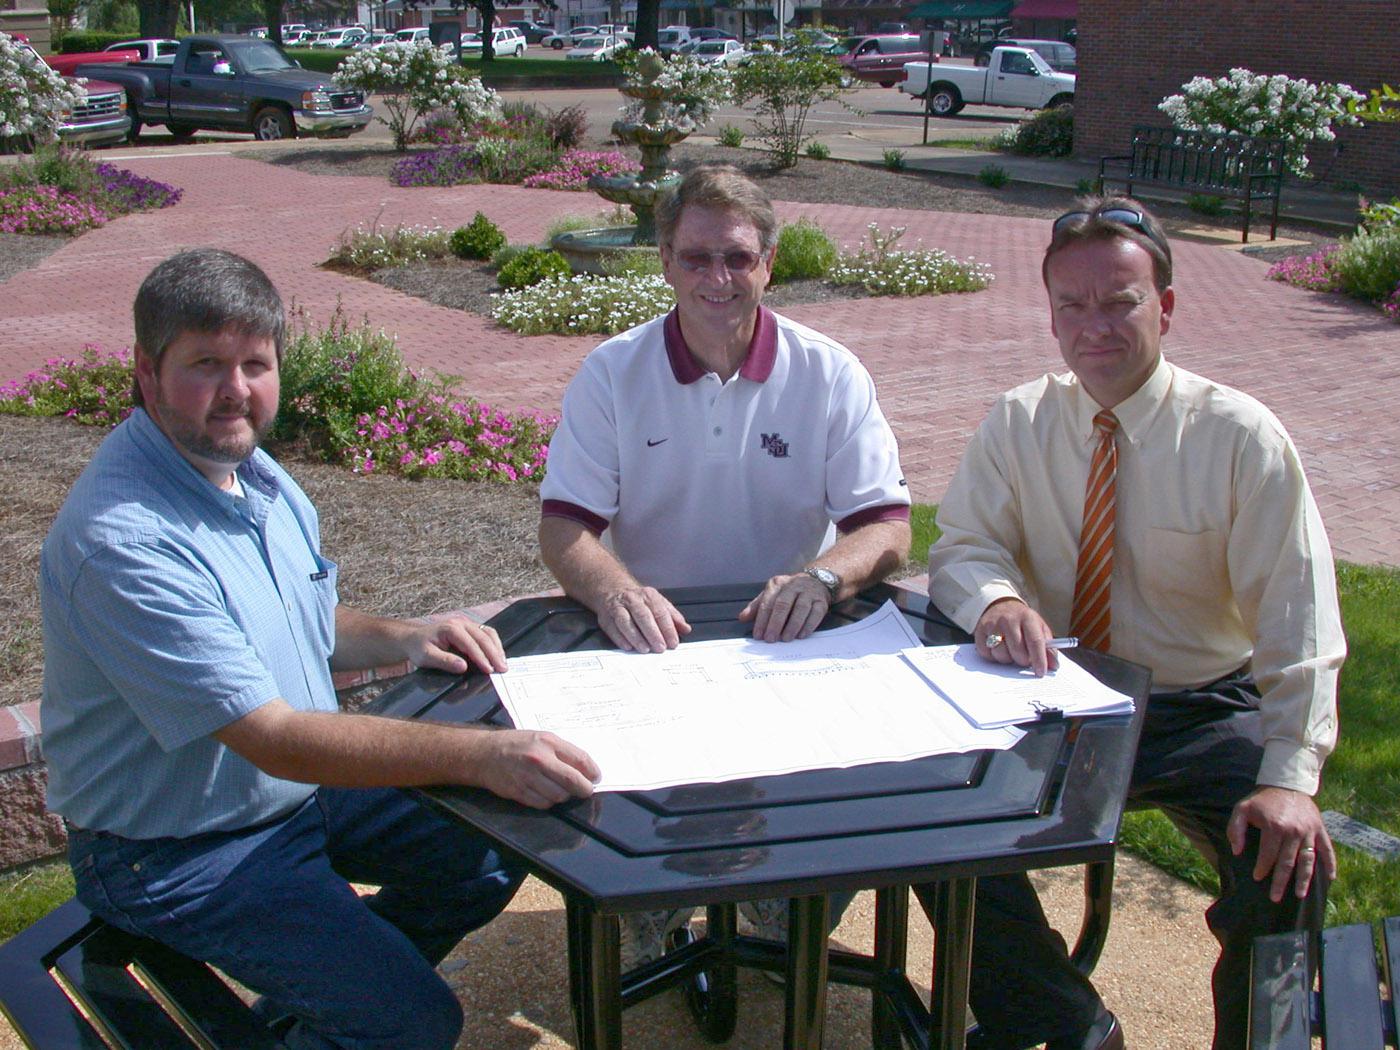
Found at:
[672, 38]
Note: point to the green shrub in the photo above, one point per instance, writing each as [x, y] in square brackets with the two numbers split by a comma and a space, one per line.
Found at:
[332, 375]
[632, 264]
[1368, 263]
[994, 176]
[818, 150]
[1050, 133]
[731, 136]
[75, 41]
[364, 250]
[1205, 204]
[583, 305]
[882, 269]
[1375, 215]
[532, 266]
[894, 159]
[511, 161]
[479, 239]
[804, 252]
[1086, 187]
[506, 253]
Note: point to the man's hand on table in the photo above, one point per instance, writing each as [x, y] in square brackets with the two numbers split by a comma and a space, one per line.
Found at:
[447, 644]
[1293, 843]
[788, 607]
[1023, 632]
[640, 619]
[533, 768]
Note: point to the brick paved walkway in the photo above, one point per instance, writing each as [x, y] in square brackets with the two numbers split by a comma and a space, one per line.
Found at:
[1327, 366]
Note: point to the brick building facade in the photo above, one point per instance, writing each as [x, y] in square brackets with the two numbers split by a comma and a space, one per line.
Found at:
[1132, 55]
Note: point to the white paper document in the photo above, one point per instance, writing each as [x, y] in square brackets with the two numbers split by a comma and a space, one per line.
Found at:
[737, 708]
[993, 694]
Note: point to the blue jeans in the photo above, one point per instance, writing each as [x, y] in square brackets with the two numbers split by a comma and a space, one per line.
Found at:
[272, 907]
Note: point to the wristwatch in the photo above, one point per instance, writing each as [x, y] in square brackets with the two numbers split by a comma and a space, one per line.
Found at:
[826, 578]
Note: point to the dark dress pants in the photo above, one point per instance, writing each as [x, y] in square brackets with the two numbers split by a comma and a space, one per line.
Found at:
[1199, 756]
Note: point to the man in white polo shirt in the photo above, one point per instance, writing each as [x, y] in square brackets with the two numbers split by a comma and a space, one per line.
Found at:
[720, 444]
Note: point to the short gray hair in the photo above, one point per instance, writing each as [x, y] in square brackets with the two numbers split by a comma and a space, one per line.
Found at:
[723, 188]
[205, 290]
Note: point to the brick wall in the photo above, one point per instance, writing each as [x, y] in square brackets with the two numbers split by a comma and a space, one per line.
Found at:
[1132, 55]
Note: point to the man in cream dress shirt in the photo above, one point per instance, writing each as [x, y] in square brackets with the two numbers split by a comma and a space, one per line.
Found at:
[1221, 582]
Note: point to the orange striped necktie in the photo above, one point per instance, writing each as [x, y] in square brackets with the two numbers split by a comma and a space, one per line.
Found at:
[1092, 616]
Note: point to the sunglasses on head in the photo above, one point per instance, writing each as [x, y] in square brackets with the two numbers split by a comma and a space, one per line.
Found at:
[737, 261]
[1117, 213]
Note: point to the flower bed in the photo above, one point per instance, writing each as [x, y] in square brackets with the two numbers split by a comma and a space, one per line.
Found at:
[63, 191]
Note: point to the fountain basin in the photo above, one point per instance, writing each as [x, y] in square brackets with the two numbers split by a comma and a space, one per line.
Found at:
[586, 249]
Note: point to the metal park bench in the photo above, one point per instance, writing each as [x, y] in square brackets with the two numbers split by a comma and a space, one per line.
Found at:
[1234, 166]
[72, 981]
[1348, 1011]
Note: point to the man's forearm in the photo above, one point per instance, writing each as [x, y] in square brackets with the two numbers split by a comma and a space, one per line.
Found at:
[867, 555]
[362, 640]
[587, 570]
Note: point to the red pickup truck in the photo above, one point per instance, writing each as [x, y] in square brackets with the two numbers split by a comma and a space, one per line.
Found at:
[101, 119]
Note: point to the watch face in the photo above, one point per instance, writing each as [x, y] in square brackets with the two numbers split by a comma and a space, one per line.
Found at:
[826, 578]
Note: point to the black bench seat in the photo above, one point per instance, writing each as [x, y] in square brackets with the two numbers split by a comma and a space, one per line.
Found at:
[72, 981]
[1218, 165]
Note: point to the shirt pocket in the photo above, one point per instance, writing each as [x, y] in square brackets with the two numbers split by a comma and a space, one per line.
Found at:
[324, 595]
[1186, 564]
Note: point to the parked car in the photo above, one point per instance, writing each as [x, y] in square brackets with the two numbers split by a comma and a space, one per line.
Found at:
[717, 52]
[345, 38]
[293, 27]
[376, 38]
[505, 40]
[235, 83]
[891, 28]
[100, 119]
[64, 65]
[710, 33]
[672, 39]
[569, 37]
[413, 35]
[817, 39]
[1059, 56]
[1017, 76]
[149, 50]
[596, 48]
[533, 32]
[880, 59]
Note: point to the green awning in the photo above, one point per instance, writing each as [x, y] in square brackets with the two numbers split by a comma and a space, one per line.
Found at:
[965, 9]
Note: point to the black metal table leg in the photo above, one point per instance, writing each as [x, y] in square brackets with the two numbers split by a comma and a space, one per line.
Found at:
[595, 983]
[954, 902]
[891, 947]
[806, 973]
[713, 992]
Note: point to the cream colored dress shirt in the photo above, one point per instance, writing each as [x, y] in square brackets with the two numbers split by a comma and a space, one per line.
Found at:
[1220, 557]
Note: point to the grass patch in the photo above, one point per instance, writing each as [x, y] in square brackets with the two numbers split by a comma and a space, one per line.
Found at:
[971, 145]
[27, 896]
[1362, 777]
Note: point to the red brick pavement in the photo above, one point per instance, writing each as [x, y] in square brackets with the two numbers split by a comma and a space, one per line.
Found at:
[1327, 366]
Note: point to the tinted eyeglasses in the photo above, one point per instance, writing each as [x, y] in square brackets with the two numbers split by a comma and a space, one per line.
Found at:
[1129, 217]
[738, 261]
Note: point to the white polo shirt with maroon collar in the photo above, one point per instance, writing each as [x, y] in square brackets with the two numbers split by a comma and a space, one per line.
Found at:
[694, 481]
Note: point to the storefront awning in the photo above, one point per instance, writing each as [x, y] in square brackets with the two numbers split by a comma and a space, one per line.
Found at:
[963, 10]
[1047, 9]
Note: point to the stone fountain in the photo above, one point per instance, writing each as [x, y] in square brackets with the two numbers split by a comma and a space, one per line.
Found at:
[655, 132]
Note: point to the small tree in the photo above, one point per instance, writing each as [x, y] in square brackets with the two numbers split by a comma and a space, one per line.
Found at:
[1383, 106]
[32, 97]
[1276, 107]
[414, 79]
[786, 85]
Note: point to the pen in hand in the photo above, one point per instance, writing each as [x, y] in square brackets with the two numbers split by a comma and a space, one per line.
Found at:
[1062, 643]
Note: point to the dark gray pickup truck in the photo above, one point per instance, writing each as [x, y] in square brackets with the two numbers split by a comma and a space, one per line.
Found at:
[234, 83]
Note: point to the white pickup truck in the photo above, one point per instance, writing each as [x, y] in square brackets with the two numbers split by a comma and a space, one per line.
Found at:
[1016, 76]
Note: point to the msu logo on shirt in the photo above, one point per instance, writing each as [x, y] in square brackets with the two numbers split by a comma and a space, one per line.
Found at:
[774, 445]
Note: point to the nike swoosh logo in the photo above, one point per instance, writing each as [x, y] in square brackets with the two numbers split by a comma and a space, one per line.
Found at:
[653, 444]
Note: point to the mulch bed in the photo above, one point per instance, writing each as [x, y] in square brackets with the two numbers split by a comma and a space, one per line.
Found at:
[405, 548]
